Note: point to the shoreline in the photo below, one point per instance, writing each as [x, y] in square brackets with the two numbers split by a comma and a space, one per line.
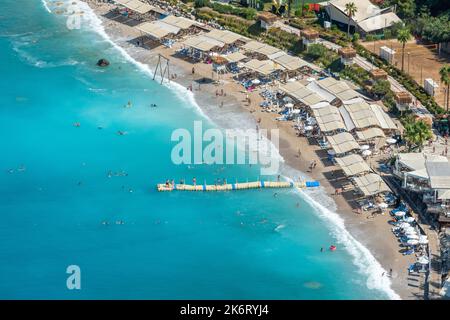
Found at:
[374, 235]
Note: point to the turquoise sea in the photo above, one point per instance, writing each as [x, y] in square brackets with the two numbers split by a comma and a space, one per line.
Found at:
[55, 191]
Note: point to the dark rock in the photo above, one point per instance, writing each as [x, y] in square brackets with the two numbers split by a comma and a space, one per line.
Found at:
[103, 63]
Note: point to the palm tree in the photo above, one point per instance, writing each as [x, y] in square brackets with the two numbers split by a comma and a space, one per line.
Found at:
[350, 10]
[416, 134]
[445, 78]
[403, 36]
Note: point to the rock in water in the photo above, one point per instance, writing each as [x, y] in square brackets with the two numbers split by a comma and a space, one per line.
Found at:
[103, 63]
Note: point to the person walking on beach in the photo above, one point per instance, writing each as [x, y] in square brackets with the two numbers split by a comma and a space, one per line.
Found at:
[193, 70]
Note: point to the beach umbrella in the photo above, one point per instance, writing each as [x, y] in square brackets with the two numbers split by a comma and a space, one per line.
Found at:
[365, 147]
[256, 81]
[412, 242]
[366, 153]
[409, 219]
[289, 105]
[400, 213]
[391, 140]
[331, 152]
[404, 225]
[423, 260]
[383, 205]
[296, 111]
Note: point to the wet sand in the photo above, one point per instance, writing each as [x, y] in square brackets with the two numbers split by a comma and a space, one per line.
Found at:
[231, 111]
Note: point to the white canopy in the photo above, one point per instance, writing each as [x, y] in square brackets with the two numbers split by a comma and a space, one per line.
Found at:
[353, 164]
[136, 5]
[371, 184]
[298, 91]
[328, 118]
[439, 173]
[343, 142]
[157, 29]
[264, 67]
[203, 43]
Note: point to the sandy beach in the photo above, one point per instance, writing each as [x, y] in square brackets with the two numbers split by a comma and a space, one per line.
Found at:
[231, 110]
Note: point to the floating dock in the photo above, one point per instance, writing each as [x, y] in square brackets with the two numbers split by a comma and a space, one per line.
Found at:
[237, 186]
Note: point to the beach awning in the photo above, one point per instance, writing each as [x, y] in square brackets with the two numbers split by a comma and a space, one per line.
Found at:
[314, 87]
[179, 22]
[328, 118]
[135, 5]
[343, 142]
[416, 161]
[235, 56]
[439, 173]
[352, 165]
[371, 184]
[264, 67]
[203, 43]
[289, 62]
[361, 115]
[370, 133]
[260, 48]
[224, 36]
[301, 93]
[337, 88]
[157, 29]
[383, 118]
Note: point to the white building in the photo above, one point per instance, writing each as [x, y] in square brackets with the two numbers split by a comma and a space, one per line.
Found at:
[368, 18]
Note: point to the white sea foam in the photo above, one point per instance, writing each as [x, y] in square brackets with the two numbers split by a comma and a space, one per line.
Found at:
[363, 258]
[45, 4]
[325, 208]
[95, 24]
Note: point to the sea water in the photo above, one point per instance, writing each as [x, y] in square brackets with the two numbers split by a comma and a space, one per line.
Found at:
[59, 206]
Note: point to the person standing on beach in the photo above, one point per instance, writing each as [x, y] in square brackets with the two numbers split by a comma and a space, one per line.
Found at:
[193, 70]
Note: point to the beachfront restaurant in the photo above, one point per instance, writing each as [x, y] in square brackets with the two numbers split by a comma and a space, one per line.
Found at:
[370, 184]
[411, 169]
[353, 165]
[343, 143]
[428, 175]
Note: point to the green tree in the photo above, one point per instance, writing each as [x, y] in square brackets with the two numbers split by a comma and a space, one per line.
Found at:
[445, 78]
[416, 134]
[350, 10]
[381, 88]
[316, 51]
[403, 36]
